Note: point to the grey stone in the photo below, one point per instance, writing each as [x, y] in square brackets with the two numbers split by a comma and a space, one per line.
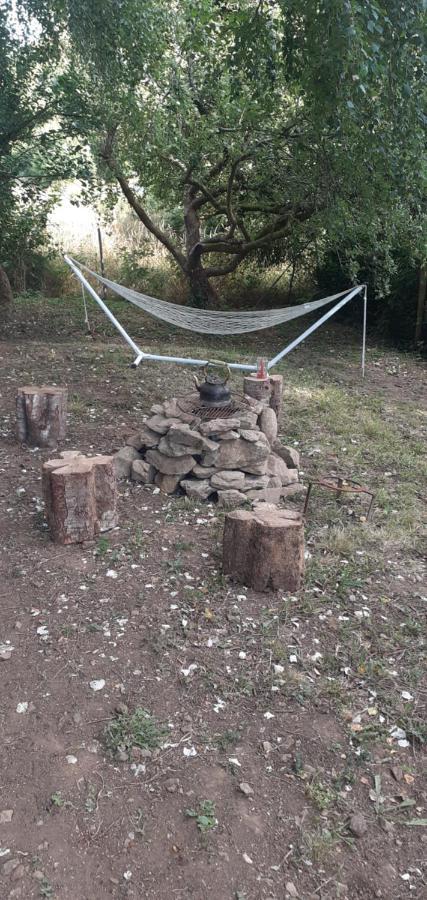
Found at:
[134, 440]
[245, 789]
[169, 465]
[254, 482]
[6, 816]
[123, 461]
[181, 440]
[171, 785]
[203, 471]
[274, 481]
[293, 490]
[183, 434]
[142, 471]
[248, 419]
[231, 499]
[173, 410]
[243, 455]
[228, 436]
[196, 489]
[256, 406]
[250, 435]
[208, 457]
[9, 866]
[167, 483]
[290, 456]
[268, 424]
[149, 438]
[227, 479]
[277, 466]
[218, 426]
[157, 409]
[357, 825]
[161, 424]
[268, 495]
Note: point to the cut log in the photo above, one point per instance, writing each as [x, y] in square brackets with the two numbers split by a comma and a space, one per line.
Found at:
[265, 548]
[80, 495]
[258, 388]
[276, 396]
[41, 414]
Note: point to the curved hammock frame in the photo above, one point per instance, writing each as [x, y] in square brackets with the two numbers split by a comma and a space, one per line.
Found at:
[215, 321]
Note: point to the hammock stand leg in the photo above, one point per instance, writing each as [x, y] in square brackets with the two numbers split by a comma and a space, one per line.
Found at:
[324, 318]
[104, 308]
[140, 355]
[365, 304]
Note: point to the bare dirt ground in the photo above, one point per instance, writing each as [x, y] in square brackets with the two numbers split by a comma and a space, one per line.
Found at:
[281, 751]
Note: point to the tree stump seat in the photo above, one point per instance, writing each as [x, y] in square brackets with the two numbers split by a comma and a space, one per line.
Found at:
[41, 414]
[264, 549]
[80, 494]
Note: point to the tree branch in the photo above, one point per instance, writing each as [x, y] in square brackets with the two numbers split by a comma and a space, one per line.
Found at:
[106, 155]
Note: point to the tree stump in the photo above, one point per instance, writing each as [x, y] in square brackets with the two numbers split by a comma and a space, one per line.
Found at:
[80, 494]
[41, 414]
[265, 548]
[258, 388]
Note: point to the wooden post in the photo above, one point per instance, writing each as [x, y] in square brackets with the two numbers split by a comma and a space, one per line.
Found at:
[276, 397]
[101, 262]
[265, 548]
[41, 414]
[80, 495]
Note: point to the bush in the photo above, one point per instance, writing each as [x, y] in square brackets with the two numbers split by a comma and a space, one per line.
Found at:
[392, 293]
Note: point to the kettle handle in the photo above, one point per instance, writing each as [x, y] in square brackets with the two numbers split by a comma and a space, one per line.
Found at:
[218, 364]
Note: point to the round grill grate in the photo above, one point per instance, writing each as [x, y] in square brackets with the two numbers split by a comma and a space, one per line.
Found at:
[192, 406]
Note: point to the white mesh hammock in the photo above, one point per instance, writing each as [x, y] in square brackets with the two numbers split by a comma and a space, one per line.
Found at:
[218, 322]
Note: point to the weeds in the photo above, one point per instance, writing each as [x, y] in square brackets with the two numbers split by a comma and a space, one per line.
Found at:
[204, 815]
[127, 730]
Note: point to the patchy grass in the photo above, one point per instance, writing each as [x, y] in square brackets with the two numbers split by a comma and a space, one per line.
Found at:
[316, 699]
[128, 730]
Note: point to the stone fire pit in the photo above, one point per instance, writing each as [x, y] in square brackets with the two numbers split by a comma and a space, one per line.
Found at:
[231, 455]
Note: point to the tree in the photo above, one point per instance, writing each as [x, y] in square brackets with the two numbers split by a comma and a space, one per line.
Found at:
[33, 152]
[275, 122]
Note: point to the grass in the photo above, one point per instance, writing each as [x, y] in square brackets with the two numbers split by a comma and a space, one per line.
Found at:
[128, 730]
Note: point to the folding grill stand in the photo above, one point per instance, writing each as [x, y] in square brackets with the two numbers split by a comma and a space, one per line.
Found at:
[340, 485]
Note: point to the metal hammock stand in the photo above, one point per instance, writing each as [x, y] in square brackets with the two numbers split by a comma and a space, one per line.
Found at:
[222, 323]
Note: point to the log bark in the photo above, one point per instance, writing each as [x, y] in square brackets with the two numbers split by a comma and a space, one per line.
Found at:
[258, 388]
[41, 414]
[276, 396]
[80, 496]
[264, 549]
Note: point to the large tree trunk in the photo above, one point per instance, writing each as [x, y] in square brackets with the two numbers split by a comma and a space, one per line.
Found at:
[202, 291]
[5, 294]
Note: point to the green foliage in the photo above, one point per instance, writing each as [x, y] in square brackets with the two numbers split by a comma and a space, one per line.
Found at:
[204, 815]
[282, 124]
[138, 729]
[34, 152]
[279, 130]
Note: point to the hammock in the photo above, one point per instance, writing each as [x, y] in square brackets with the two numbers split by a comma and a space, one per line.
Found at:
[205, 321]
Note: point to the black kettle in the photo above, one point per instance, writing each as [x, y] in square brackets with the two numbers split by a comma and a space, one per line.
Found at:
[213, 390]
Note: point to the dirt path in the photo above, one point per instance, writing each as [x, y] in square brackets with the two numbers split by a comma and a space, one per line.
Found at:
[295, 697]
